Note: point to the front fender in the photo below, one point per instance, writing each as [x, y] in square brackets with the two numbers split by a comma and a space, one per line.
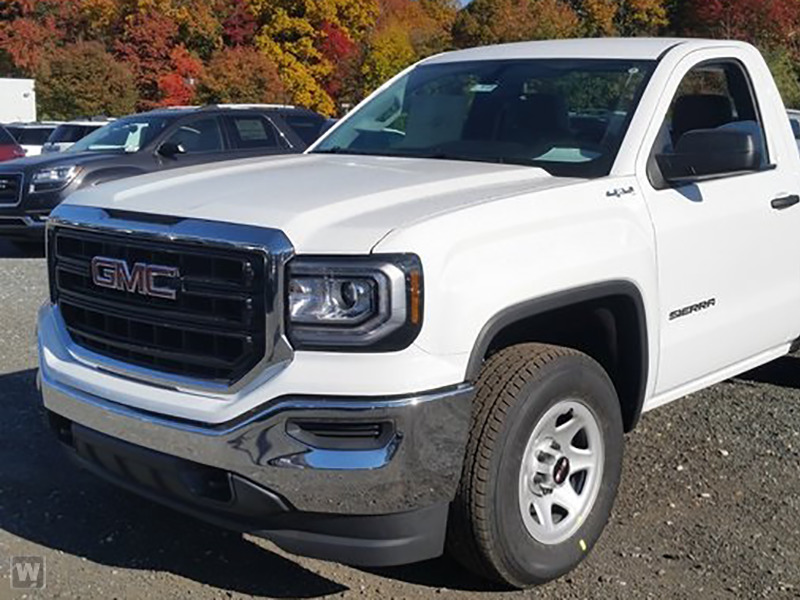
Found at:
[94, 178]
[482, 260]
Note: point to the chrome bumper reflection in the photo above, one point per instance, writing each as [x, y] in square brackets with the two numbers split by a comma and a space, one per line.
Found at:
[418, 466]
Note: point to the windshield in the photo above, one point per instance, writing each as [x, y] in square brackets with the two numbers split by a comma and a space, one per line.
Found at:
[6, 138]
[565, 116]
[70, 133]
[124, 135]
[31, 136]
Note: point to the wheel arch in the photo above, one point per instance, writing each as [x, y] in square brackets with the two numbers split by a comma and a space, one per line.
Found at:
[605, 320]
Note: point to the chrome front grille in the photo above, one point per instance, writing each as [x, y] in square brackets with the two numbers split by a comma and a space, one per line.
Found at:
[225, 316]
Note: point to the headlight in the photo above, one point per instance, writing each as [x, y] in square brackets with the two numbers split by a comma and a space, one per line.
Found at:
[54, 178]
[362, 303]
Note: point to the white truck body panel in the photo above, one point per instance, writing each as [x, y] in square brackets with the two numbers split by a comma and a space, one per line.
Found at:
[492, 236]
[340, 204]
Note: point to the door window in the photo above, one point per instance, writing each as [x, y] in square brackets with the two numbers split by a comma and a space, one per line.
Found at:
[713, 95]
[199, 136]
[252, 131]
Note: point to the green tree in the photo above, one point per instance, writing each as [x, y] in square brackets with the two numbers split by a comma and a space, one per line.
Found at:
[783, 71]
[84, 79]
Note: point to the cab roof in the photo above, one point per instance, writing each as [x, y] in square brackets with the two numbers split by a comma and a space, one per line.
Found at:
[609, 48]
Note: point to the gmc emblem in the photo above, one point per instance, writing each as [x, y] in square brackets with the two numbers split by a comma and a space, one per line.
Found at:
[114, 274]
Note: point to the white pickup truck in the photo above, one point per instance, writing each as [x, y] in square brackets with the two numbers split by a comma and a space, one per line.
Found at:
[431, 331]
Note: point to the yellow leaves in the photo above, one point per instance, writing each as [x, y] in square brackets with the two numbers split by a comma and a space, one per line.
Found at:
[554, 20]
[622, 17]
[600, 16]
[498, 21]
[299, 78]
[101, 14]
[643, 17]
[291, 34]
[390, 52]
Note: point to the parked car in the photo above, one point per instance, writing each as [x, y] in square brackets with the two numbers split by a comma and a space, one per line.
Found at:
[9, 148]
[66, 134]
[152, 141]
[31, 136]
[433, 329]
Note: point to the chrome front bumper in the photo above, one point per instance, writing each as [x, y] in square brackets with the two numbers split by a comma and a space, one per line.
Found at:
[417, 466]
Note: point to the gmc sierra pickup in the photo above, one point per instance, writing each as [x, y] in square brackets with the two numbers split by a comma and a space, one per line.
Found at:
[431, 331]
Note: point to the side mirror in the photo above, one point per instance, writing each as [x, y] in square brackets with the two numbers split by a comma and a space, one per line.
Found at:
[171, 149]
[707, 153]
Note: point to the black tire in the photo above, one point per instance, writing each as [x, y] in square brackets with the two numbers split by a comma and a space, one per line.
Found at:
[517, 385]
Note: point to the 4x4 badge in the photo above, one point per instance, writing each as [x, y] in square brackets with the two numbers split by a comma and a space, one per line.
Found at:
[619, 192]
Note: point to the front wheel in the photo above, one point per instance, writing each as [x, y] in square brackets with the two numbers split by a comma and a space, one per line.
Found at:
[542, 466]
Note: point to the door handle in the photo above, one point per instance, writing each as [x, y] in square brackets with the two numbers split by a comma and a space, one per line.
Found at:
[785, 202]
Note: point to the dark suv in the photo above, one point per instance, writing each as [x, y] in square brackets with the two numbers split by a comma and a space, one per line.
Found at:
[162, 139]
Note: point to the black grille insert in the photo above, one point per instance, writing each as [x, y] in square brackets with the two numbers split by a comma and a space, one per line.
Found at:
[10, 188]
[214, 330]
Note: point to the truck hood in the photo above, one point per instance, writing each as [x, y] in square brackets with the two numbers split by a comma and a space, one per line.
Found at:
[30, 164]
[324, 203]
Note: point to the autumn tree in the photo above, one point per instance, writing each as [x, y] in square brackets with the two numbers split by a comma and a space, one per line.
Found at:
[146, 45]
[390, 50]
[200, 29]
[405, 31]
[497, 21]
[177, 87]
[772, 25]
[291, 32]
[761, 22]
[84, 79]
[428, 23]
[345, 56]
[239, 24]
[241, 75]
[642, 17]
[621, 17]
[31, 31]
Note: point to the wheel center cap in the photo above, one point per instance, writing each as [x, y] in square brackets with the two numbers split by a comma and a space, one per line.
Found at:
[561, 470]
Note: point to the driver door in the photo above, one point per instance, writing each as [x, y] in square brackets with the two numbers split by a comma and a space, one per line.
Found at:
[729, 276]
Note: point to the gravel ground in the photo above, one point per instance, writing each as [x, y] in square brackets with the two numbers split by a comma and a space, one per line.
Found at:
[709, 506]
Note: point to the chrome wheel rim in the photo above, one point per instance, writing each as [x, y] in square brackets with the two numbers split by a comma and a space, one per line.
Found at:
[561, 471]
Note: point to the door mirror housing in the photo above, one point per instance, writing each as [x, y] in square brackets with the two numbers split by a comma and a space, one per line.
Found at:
[709, 153]
[171, 149]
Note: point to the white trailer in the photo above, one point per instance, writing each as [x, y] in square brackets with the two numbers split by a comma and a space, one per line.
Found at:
[17, 100]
